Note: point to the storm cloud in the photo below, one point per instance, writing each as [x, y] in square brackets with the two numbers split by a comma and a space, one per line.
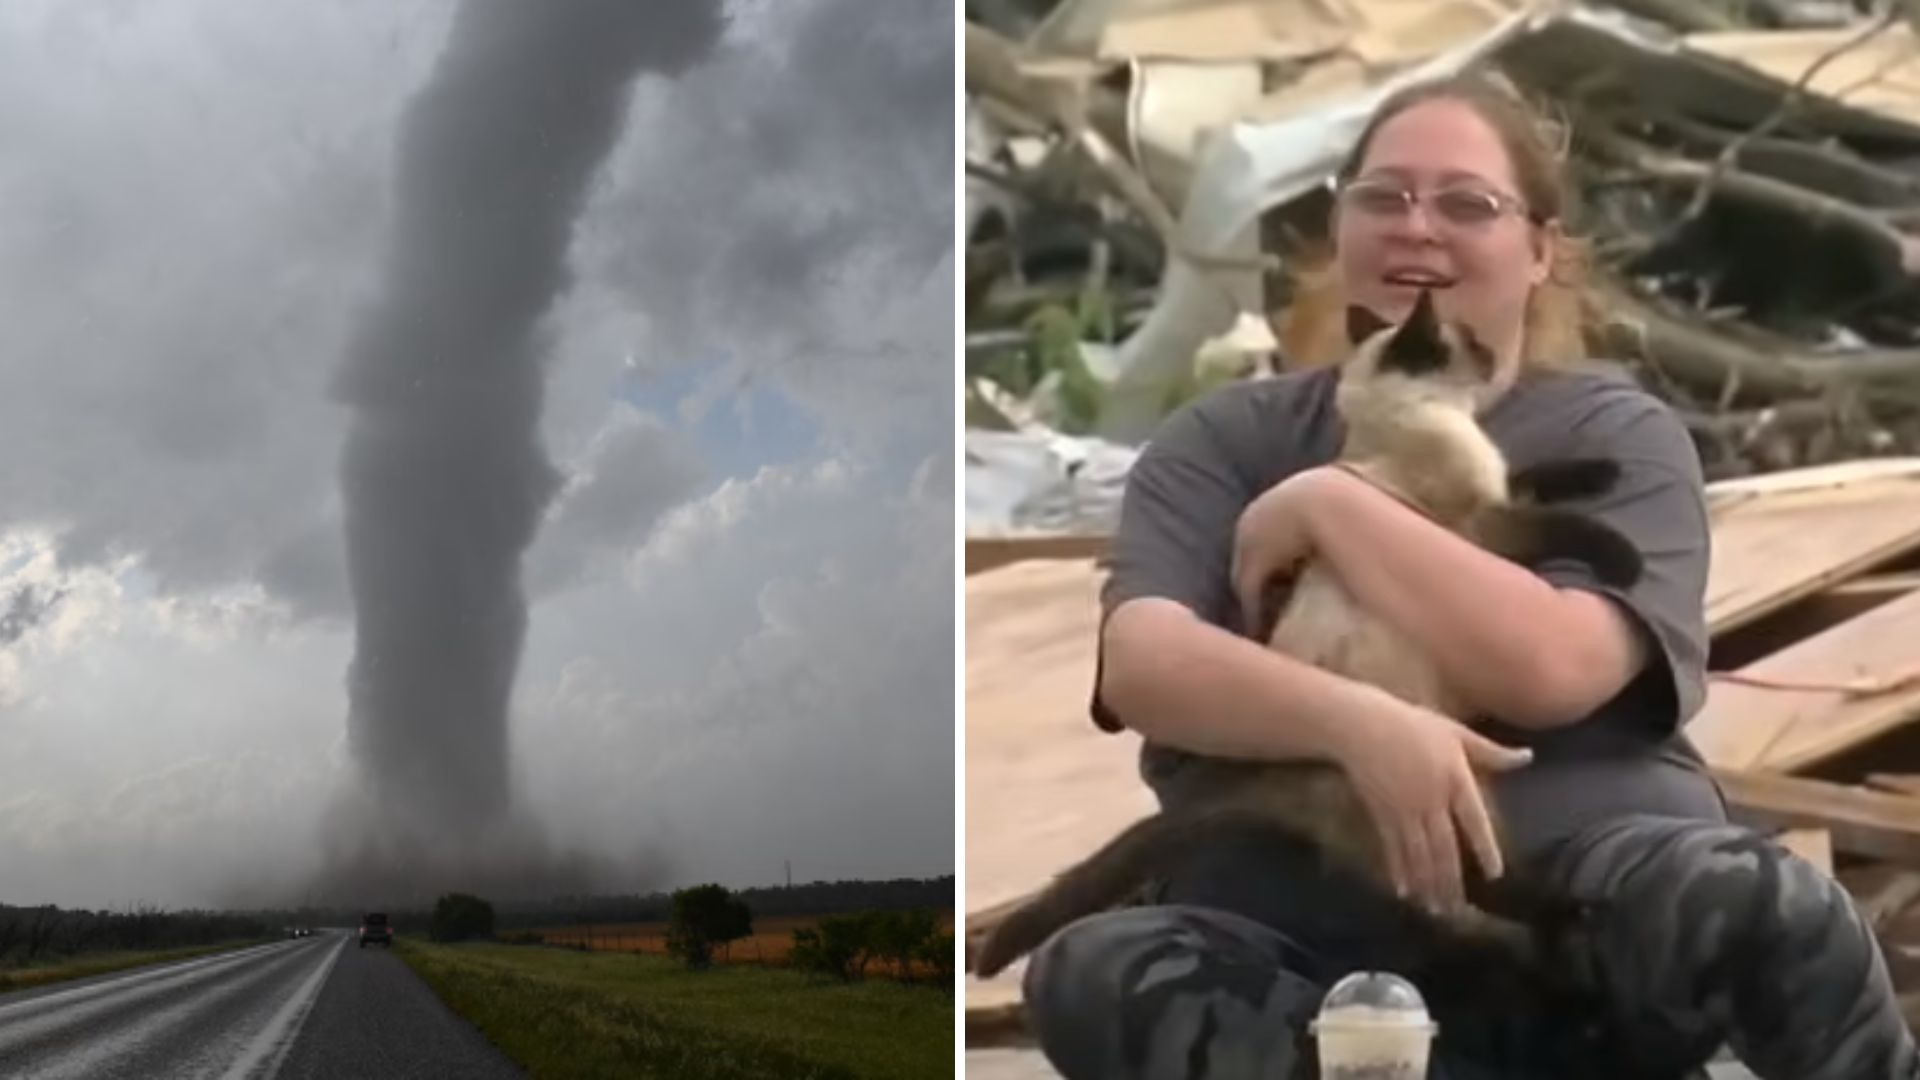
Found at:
[734, 328]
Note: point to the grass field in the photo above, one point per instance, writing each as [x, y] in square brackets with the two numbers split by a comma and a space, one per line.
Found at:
[102, 963]
[564, 1013]
[769, 946]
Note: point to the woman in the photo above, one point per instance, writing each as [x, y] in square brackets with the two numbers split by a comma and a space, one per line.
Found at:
[1700, 933]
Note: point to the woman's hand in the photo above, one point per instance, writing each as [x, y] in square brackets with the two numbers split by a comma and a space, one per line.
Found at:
[1273, 539]
[1414, 769]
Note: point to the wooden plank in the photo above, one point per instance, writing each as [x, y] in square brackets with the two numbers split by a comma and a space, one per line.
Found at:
[1782, 729]
[1804, 531]
[1755, 641]
[1008, 1063]
[1044, 786]
[1880, 587]
[1895, 783]
[1833, 475]
[1813, 845]
[990, 552]
[995, 1012]
[1881, 891]
[1861, 822]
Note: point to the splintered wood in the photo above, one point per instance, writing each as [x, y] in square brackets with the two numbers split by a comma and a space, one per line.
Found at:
[1044, 786]
[1825, 695]
[1789, 539]
[1786, 536]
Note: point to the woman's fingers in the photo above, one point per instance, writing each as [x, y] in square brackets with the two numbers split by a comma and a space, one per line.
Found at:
[1444, 844]
[1249, 598]
[1476, 824]
[1398, 872]
[1423, 878]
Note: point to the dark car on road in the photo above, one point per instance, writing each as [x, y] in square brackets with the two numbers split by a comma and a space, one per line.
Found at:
[374, 928]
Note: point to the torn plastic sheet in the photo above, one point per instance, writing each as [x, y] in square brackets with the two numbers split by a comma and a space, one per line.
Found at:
[1043, 482]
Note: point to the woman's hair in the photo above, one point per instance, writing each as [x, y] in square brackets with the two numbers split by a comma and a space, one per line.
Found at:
[1312, 328]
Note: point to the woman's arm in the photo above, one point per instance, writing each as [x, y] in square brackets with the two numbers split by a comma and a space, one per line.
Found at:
[1182, 682]
[1522, 649]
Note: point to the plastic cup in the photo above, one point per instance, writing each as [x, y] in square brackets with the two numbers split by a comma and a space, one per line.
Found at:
[1374, 1026]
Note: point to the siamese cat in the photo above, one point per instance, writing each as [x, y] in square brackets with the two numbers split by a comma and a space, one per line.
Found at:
[1408, 396]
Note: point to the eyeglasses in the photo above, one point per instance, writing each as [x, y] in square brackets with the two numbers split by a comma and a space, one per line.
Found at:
[1461, 207]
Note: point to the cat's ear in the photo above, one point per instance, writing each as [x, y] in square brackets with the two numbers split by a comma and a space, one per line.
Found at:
[1363, 323]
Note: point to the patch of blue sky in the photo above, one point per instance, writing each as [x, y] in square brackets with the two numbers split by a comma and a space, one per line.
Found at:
[737, 426]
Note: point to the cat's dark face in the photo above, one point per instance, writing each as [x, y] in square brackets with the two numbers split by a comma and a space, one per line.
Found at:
[1421, 347]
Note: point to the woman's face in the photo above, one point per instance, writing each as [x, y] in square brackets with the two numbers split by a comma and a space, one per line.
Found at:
[1466, 234]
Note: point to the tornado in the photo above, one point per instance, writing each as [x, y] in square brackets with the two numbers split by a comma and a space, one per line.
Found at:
[443, 476]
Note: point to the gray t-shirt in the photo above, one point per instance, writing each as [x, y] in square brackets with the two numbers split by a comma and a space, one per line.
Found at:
[1215, 455]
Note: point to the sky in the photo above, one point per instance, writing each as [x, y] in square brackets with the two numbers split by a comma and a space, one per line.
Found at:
[726, 643]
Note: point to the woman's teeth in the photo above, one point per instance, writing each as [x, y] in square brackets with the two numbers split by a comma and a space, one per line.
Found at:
[1419, 280]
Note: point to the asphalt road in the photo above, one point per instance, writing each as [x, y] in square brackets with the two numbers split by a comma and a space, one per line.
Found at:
[306, 1009]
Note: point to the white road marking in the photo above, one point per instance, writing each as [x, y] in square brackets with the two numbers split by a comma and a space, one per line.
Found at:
[122, 983]
[83, 1061]
[276, 1038]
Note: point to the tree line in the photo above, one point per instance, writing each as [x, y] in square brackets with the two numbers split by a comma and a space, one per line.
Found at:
[30, 934]
[811, 898]
[842, 947]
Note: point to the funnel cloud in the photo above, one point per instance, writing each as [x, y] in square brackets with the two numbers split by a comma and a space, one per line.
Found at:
[443, 475]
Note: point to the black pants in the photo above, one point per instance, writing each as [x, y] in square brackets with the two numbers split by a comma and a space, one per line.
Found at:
[1701, 934]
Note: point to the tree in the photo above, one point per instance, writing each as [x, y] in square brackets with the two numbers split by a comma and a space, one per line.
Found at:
[46, 921]
[839, 945]
[899, 936]
[459, 916]
[937, 953]
[737, 923]
[705, 916]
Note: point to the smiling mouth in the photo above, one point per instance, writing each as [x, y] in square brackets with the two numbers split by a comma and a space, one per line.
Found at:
[1417, 279]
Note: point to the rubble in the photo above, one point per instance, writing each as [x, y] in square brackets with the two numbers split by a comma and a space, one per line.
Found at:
[1140, 173]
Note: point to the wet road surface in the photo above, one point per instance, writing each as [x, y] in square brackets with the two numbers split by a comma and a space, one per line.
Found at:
[306, 1009]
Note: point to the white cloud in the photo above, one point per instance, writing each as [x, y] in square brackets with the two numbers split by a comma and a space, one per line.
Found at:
[812, 713]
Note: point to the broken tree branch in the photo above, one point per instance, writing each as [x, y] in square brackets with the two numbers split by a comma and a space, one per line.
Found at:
[1892, 251]
[1882, 21]
[1687, 16]
[1829, 167]
[1748, 424]
[1705, 360]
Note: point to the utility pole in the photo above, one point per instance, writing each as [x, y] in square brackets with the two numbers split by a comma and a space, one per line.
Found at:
[789, 873]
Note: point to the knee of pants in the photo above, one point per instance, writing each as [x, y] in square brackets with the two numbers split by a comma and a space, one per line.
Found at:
[1085, 972]
[1126, 993]
[1076, 972]
[1732, 898]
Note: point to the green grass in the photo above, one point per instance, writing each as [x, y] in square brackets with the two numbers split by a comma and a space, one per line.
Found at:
[102, 963]
[561, 1013]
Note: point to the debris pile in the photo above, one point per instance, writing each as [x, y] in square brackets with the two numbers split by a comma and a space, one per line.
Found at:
[1142, 176]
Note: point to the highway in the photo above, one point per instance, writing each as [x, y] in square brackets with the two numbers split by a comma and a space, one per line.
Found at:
[314, 1008]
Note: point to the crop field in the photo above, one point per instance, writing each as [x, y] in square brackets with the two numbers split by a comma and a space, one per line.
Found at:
[561, 1013]
[772, 940]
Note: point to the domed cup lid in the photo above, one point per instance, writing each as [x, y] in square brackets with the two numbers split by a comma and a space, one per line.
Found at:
[1373, 999]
